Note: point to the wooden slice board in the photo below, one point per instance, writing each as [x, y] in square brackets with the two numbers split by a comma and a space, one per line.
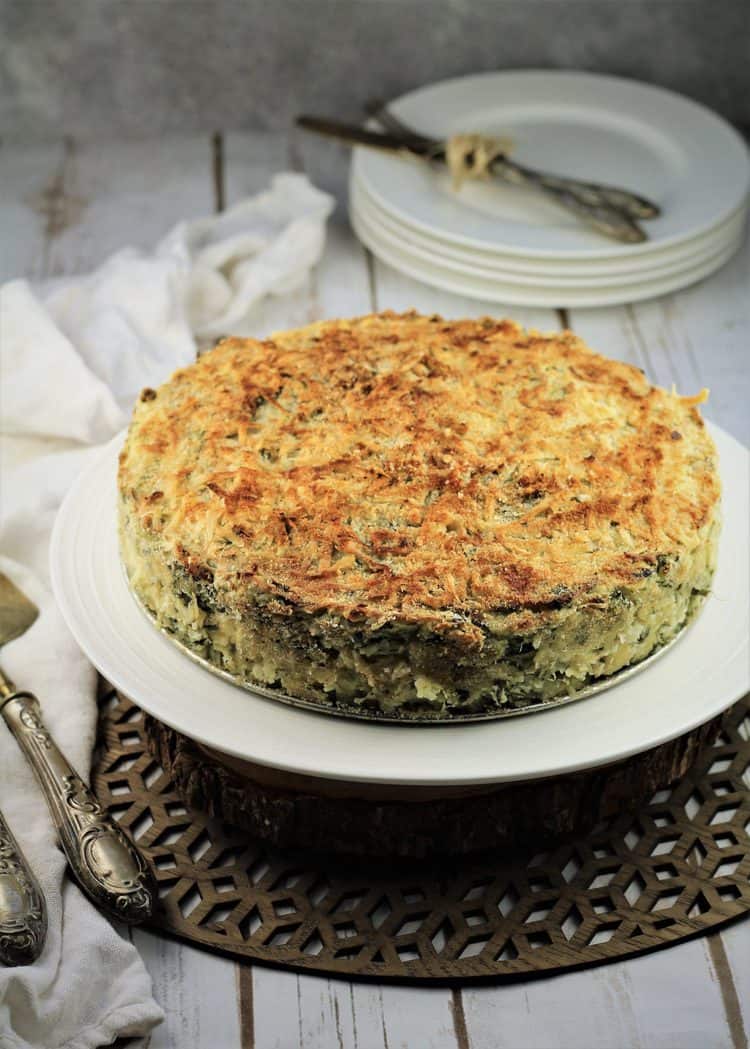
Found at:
[290, 810]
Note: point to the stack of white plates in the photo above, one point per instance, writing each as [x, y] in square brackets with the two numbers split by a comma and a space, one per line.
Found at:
[497, 242]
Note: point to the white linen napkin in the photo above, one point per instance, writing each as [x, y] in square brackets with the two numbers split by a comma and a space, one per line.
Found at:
[74, 355]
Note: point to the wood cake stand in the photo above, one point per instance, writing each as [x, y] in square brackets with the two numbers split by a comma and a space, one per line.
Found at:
[309, 812]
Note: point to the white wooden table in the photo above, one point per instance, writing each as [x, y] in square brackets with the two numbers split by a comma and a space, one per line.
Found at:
[63, 208]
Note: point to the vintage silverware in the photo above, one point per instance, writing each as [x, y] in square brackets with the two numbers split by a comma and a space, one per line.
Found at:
[632, 204]
[23, 914]
[105, 862]
[585, 200]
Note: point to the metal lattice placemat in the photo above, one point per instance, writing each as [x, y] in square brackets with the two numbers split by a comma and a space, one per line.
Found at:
[679, 866]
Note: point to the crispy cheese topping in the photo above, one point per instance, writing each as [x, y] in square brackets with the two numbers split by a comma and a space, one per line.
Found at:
[399, 466]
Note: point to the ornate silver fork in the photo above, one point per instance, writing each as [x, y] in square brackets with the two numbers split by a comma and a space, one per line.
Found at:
[107, 865]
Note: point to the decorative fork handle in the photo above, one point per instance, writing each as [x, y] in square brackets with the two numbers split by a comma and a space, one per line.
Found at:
[23, 915]
[106, 864]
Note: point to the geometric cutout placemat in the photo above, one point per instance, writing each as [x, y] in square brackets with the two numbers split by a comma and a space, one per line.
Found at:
[679, 866]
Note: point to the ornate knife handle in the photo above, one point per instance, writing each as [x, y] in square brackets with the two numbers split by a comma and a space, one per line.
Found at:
[105, 862]
[23, 915]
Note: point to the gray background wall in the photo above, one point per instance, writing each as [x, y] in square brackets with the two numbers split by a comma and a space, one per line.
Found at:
[93, 68]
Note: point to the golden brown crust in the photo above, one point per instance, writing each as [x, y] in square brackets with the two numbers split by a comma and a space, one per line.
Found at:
[413, 468]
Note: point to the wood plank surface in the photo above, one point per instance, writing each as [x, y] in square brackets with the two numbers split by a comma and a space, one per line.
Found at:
[395, 291]
[732, 966]
[697, 337]
[29, 206]
[667, 1000]
[68, 207]
[319, 1013]
[196, 990]
[63, 209]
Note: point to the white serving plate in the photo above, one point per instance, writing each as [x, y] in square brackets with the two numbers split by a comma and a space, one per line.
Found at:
[529, 271]
[598, 128]
[711, 246]
[442, 274]
[703, 673]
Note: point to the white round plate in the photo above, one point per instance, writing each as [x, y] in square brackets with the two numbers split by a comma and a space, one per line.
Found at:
[598, 128]
[705, 671]
[443, 275]
[709, 246]
[660, 263]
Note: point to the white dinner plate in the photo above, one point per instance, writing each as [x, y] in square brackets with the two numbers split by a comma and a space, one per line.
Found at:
[531, 270]
[598, 128]
[705, 671]
[441, 274]
[710, 246]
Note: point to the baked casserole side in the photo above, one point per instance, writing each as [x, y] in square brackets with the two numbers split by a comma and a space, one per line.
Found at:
[417, 515]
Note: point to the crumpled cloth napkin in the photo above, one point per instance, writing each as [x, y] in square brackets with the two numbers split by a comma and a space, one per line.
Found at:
[74, 354]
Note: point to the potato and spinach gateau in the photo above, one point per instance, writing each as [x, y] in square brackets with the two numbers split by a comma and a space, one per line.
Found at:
[416, 516]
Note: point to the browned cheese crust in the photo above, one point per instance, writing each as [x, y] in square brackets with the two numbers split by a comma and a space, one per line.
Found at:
[410, 469]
